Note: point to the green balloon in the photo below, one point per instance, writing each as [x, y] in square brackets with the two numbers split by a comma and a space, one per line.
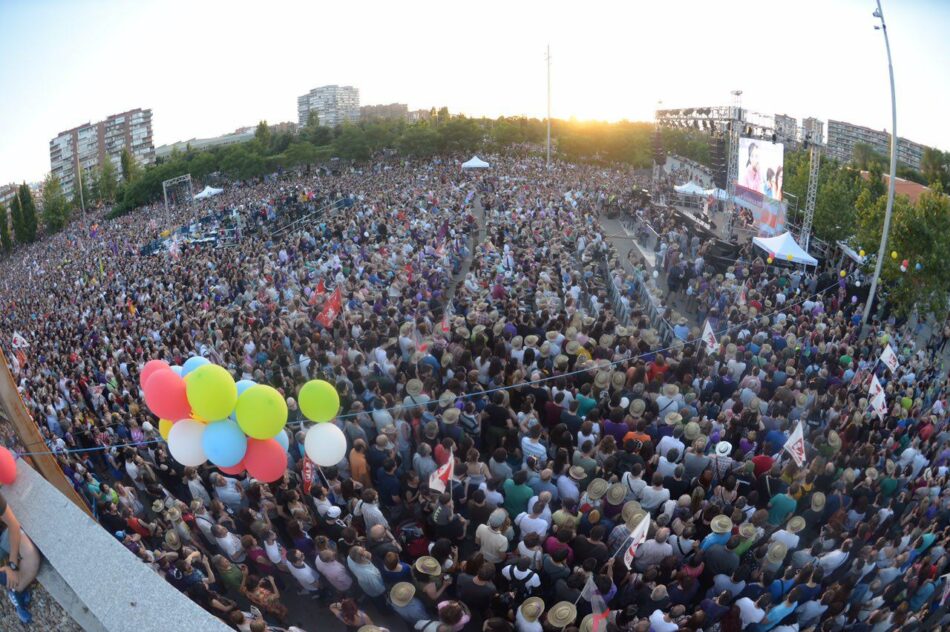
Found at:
[261, 412]
[319, 400]
[211, 392]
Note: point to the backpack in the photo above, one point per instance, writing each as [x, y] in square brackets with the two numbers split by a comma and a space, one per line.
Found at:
[520, 586]
[413, 538]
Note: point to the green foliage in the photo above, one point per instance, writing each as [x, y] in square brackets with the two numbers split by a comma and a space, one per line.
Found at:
[919, 233]
[130, 168]
[418, 141]
[24, 215]
[351, 144]
[935, 167]
[5, 242]
[55, 205]
[262, 135]
[105, 183]
[459, 134]
[16, 218]
[863, 157]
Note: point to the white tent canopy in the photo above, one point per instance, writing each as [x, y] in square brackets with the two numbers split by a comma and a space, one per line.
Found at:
[719, 194]
[475, 163]
[208, 192]
[690, 188]
[784, 248]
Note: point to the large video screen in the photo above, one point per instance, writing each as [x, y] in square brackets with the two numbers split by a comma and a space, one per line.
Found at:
[760, 167]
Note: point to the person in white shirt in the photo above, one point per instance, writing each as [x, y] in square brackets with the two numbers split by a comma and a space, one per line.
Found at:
[305, 575]
[753, 611]
[662, 622]
[533, 522]
[229, 544]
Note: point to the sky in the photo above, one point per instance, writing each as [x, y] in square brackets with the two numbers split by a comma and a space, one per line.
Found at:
[206, 67]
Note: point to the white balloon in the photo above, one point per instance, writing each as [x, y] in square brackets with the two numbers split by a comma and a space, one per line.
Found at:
[148, 427]
[325, 444]
[184, 443]
[655, 274]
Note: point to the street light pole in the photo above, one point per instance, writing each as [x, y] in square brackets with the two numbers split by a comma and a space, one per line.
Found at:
[890, 184]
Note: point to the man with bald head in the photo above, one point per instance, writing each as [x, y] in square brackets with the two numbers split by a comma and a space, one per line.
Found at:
[653, 551]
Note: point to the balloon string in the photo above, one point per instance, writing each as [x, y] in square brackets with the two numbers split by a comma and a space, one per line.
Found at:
[300, 424]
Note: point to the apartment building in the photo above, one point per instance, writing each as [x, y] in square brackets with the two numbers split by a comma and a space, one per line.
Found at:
[813, 129]
[842, 137]
[87, 147]
[786, 128]
[334, 105]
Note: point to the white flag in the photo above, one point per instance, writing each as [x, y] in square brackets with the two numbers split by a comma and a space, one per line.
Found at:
[796, 445]
[879, 404]
[19, 342]
[874, 388]
[637, 537]
[709, 338]
[439, 479]
[889, 358]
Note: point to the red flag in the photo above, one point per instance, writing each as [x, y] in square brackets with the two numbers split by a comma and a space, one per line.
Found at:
[307, 474]
[319, 291]
[332, 309]
[439, 479]
[445, 324]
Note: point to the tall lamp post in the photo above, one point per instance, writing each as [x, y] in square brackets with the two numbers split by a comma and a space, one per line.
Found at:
[890, 185]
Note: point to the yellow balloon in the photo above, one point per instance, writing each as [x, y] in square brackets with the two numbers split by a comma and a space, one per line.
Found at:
[319, 400]
[861, 253]
[843, 274]
[261, 412]
[893, 254]
[212, 392]
[789, 257]
[164, 427]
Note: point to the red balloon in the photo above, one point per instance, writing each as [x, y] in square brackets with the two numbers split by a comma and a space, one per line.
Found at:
[7, 467]
[149, 369]
[166, 397]
[265, 459]
[234, 470]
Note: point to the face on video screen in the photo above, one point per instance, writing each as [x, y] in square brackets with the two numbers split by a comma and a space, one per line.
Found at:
[760, 167]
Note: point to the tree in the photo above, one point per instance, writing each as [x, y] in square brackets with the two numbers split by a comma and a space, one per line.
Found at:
[935, 167]
[16, 217]
[105, 184]
[55, 205]
[25, 210]
[460, 134]
[418, 141]
[262, 135]
[920, 234]
[351, 144]
[130, 168]
[5, 242]
[863, 156]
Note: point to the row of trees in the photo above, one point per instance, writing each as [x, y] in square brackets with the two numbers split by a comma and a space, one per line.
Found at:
[22, 218]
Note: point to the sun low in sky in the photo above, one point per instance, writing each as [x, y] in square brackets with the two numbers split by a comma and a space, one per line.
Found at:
[206, 68]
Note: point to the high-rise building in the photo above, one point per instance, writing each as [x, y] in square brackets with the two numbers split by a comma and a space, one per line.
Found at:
[786, 128]
[333, 105]
[88, 146]
[392, 111]
[813, 129]
[419, 115]
[842, 137]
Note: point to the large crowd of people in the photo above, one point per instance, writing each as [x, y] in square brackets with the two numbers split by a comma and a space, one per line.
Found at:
[477, 332]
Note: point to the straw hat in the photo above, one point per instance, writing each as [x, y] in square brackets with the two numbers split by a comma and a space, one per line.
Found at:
[405, 329]
[577, 473]
[463, 332]
[402, 593]
[721, 524]
[532, 608]
[630, 509]
[890, 467]
[173, 514]
[616, 493]
[597, 488]
[671, 390]
[776, 553]
[370, 628]
[692, 431]
[517, 342]
[561, 614]
[796, 524]
[818, 502]
[477, 329]
[450, 416]
[618, 379]
[602, 379]
[673, 419]
[723, 448]
[606, 340]
[446, 399]
[872, 473]
[531, 341]
[414, 387]
[545, 348]
[158, 506]
[552, 335]
[428, 565]
[637, 407]
[587, 624]
[498, 327]
[172, 541]
[561, 361]
[572, 347]
[747, 530]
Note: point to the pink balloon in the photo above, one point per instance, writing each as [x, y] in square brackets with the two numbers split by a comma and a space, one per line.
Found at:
[265, 460]
[165, 395]
[234, 470]
[149, 369]
[7, 467]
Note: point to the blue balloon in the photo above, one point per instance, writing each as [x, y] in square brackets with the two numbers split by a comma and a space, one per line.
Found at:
[917, 266]
[243, 385]
[281, 438]
[193, 363]
[224, 443]
[177, 369]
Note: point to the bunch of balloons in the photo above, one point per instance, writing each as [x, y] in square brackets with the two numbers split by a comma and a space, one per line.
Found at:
[7, 467]
[904, 265]
[205, 416]
[325, 443]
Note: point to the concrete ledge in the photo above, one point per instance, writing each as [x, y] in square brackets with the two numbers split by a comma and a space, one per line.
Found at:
[110, 588]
